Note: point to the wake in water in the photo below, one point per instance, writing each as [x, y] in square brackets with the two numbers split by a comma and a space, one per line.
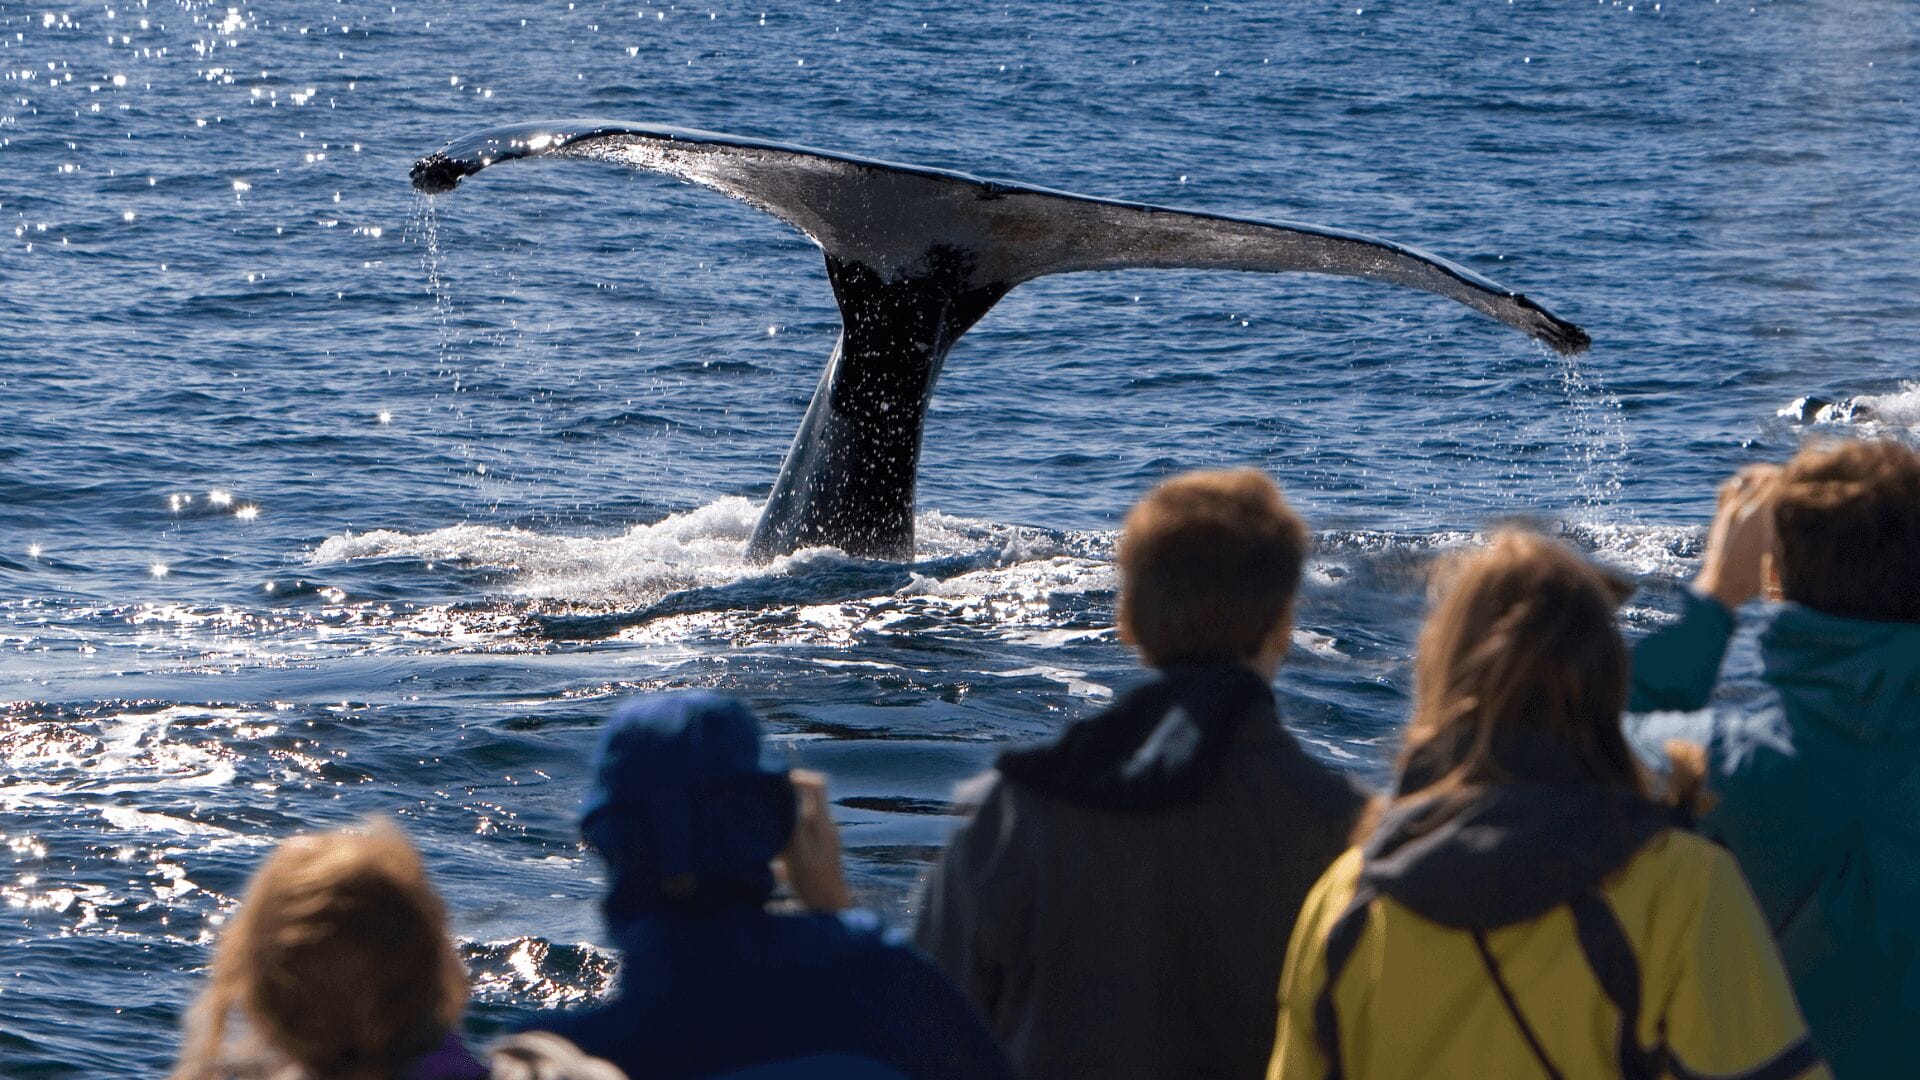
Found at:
[689, 574]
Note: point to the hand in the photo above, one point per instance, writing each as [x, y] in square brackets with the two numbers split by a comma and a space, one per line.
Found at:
[1740, 544]
[811, 862]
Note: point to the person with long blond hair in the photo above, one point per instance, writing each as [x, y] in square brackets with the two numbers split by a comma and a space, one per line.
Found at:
[1524, 906]
[338, 966]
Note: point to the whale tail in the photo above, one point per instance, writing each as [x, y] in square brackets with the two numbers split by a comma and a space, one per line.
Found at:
[916, 256]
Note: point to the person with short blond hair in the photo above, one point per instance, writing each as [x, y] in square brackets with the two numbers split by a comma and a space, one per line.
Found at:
[1818, 779]
[1118, 902]
[338, 967]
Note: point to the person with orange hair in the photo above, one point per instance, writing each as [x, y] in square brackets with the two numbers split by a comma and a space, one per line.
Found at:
[1817, 780]
[338, 967]
[1523, 906]
[1117, 903]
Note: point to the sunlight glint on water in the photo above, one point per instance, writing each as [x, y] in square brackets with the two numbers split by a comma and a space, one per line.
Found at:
[489, 461]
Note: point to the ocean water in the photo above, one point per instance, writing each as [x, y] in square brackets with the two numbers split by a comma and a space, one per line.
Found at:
[321, 499]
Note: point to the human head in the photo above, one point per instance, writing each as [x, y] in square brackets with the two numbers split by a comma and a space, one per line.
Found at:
[1209, 564]
[1848, 519]
[1521, 644]
[685, 806]
[338, 959]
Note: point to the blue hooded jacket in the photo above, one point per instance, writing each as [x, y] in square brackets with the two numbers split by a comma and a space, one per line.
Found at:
[1819, 798]
[688, 814]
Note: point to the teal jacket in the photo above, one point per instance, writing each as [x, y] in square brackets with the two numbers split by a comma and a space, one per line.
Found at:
[1819, 800]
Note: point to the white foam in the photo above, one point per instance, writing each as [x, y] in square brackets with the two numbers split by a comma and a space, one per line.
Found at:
[1894, 413]
[128, 819]
[1076, 682]
[1641, 549]
[1899, 409]
[1644, 550]
[706, 547]
[1317, 643]
[1019, 584]
[1057, 639]
[1017, 594]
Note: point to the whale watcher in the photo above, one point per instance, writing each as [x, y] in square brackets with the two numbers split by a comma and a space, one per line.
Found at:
[338, 967]
[1523, 906]
[690, 815]
[1817, 783]
[1117, 904]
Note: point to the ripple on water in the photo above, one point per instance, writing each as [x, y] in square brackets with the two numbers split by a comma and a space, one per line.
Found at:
[448, 415]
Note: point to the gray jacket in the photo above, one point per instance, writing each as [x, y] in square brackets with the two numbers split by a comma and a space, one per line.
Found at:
[1120, 943]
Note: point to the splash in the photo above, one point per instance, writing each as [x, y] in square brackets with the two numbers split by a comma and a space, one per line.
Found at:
[1899, 409]
[1895, 414]
[701, 548]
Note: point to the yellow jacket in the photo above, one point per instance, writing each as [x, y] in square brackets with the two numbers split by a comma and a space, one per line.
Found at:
[1415, 998]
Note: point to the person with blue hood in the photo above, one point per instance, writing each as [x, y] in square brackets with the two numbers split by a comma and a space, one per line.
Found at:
[690, 815]
[1817, 780]
[1118, 904]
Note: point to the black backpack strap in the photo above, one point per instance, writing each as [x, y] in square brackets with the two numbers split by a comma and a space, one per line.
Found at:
[1610, 954]
[1342, 939]
[1513, 1007]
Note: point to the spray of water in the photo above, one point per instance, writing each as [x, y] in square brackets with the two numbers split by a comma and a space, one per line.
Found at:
[1598, 443]
[423, 230]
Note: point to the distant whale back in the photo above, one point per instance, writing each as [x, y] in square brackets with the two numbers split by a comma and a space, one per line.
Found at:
[916, 256]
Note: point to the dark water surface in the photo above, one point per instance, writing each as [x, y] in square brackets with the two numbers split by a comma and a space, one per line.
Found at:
[318, 500]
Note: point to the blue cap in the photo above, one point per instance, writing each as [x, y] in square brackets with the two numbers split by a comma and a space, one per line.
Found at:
[686, 805]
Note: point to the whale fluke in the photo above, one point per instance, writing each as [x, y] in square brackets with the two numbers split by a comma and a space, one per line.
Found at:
[916, 256]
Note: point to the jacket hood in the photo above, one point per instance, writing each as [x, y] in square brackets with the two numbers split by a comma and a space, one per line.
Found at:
[1858, 676]
[684, 806]
[1506, 853]
[1161, 745]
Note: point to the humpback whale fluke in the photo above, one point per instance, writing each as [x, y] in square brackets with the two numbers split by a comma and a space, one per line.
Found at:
[916, 256]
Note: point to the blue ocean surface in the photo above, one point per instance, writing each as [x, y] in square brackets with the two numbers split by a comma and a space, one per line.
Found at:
[321, 499]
